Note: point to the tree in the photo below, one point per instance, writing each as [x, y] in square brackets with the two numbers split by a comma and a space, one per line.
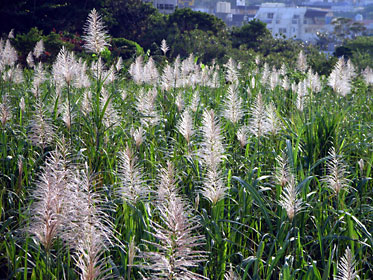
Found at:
[187, 20]
[250, 35]
[130, 19]
[46, 15]
[346, 28]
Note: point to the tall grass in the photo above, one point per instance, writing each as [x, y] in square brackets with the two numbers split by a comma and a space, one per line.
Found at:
[253, 160]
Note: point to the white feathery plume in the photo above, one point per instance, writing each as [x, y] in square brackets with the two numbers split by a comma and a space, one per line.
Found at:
[302, 62]
[167, 183]
[285, 177]
[301, 94]
[350, 69]
[8, 54]
[14, 74]
[177, 247]
[265, 74]
[294, 87]
[136, 70]
[82, 79]
[11, 34]
[176, 71]
[283, 171]
[346, 267]
[242, 135]
[2, 62]
[274, 124]
[30, 60]
[285, 83]
[39, 49]
[185, 125]
[131, 252]
[39, 78]
[48, 209]
[22, 105]
[150, 72]
[231, 72]
[313, 81]
[214, 188]
[132, 187]
[212, 154]
[67, 115]
[212, 149]
[88, 229]
[86, 107]
[368, 75]
[283, 70]
[179, 102]
[164, 47]
[147, 107]
[99, 71]
[41, 130]
[65, 68]
[336, 173]
[252, 82]
[194, 103]
[96, 37]
[138, 135]
[168, 78]
[119, 64]
[233, 105]
[123, 94]
[258, 124]
[5, 110]
[289, 200]
[274, 79]
[340, 78]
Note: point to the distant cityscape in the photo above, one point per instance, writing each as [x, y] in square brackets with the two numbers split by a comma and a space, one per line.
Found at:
[294, 19]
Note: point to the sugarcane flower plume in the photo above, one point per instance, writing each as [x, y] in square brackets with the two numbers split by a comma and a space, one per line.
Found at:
[39, 49]
[346, 267]
[48, 208]
[164, 47]
[132, 187]
[289, 198]
[5, 110]
[233, 105]
[177, 247]
[185, 125]
[336, 173]
[96, 38]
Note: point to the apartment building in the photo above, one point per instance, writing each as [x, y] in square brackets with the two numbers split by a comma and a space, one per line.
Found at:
[301, 23]
[164, 6]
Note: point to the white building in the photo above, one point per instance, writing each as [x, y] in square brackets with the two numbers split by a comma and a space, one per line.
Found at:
[301, 23]
[164, 6]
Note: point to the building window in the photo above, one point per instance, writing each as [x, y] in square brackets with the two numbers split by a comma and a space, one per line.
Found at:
[270, 15]
[160, 6]
[295, 19]
[282, 30]
[277, 21]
